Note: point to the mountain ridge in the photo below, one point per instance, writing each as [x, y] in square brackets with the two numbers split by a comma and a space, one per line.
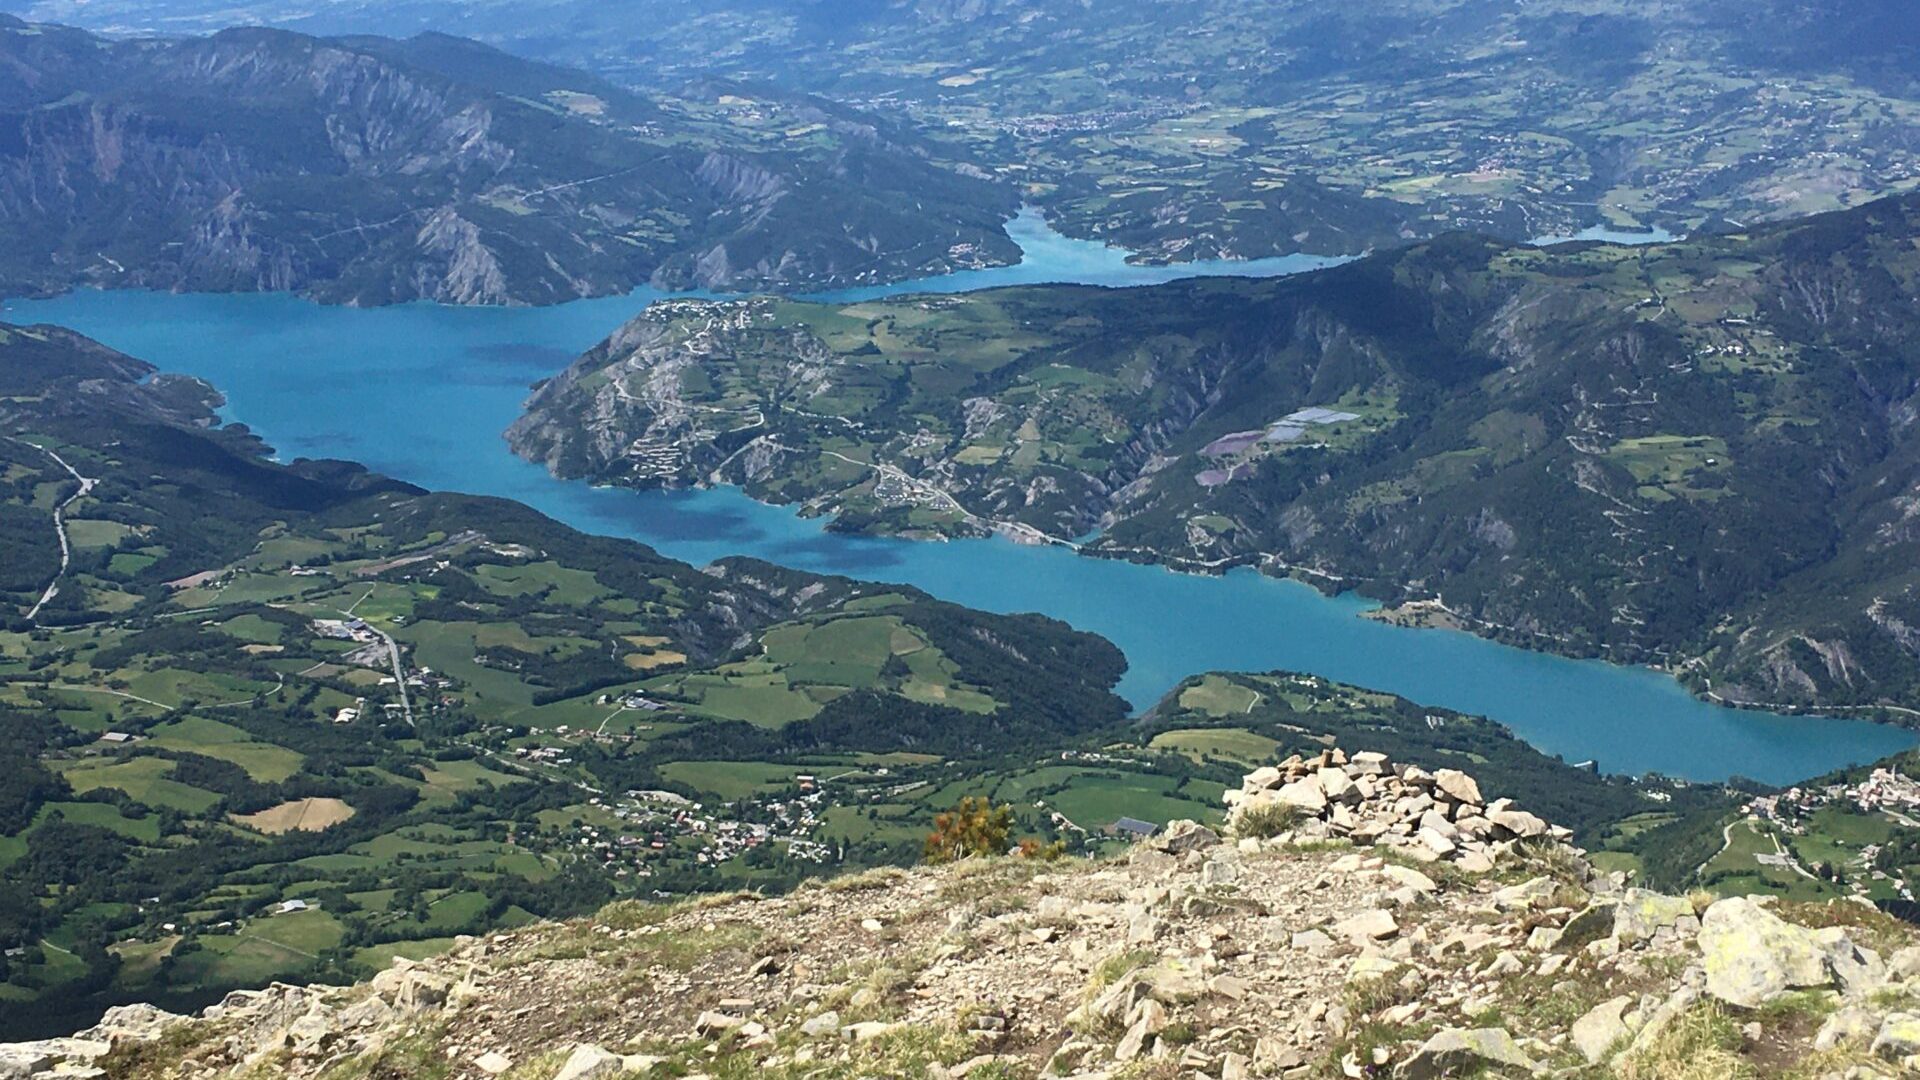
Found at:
[369, 170]
[1246, 128]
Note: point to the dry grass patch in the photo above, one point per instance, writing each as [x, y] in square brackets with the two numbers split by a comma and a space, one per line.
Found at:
[649, 661]
[1702, 1044]
[301, 815]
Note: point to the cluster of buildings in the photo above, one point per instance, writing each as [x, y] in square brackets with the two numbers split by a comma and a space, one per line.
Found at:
[654, 826]
[348, 629]
[1883, 791]
[543, 755]
[1094, 757]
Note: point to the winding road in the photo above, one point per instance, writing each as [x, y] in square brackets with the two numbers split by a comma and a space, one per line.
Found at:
[60, 527]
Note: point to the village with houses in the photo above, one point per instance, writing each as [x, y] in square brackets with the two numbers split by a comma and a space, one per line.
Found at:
[1851, 838]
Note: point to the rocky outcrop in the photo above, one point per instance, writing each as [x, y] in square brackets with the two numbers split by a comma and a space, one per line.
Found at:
[1196, 954]
[1368, 800]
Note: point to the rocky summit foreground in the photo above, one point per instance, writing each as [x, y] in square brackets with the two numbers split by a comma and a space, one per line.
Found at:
[1358, 919]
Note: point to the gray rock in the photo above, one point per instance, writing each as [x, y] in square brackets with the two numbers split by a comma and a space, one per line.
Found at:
[314, 1031]
[1602, 1028]
[1376, 925]
[1369, 763]
[590, 1062]
[1304, 795]
[1438, 822]
[1407, 877]
[1134, 1042]
[1752, 954]
[1858, 969]
[21, 1061]
[1458, 786]
[1180, 837]
[1899, 1036]
[710, 1023]
[1219, 872]
[1642, 913]
[133, 1023]
[1518, 822]
[1312, 941]
[370, 1011]
[1473, 862]
[1462, 1052]
[1849, 1025]
[1905, 964]
[419, 991]
[1543, 938]
[1337, 786]
[825, 1024]
[1525, 896]
[1595, 921]
[1474, 825]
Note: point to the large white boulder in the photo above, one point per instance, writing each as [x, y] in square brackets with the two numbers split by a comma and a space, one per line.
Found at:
[1751, 954]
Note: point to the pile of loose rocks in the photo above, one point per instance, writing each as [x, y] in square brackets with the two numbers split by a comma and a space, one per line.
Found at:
[1368, 800]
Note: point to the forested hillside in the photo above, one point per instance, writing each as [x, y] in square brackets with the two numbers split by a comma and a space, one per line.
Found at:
[1699, 453]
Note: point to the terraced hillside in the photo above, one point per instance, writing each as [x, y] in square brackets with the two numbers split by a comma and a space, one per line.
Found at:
[1699, 453]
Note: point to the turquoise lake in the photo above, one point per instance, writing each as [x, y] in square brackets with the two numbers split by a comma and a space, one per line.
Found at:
[423, 392]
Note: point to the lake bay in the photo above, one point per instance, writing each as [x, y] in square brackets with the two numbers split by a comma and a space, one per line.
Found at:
[423, 392]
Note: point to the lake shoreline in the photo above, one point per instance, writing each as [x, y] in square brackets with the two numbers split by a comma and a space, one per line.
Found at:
[422, 392]
[1413, 613]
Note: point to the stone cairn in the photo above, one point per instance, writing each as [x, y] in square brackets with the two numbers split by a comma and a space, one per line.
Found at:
[1366, 799]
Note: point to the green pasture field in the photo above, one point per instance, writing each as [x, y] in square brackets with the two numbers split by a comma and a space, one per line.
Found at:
[144, 779]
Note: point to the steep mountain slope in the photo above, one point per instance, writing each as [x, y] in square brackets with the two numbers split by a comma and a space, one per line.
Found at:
[1196, 128]
[1699, 453]
[1278, 954]
[370, 170]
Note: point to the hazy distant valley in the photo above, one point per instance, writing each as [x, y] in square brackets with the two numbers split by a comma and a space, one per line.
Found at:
[1218, 127]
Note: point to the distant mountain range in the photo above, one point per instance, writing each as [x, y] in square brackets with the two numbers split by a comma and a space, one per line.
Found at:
[1702, 454]
[1187, 129]
[371, 170]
